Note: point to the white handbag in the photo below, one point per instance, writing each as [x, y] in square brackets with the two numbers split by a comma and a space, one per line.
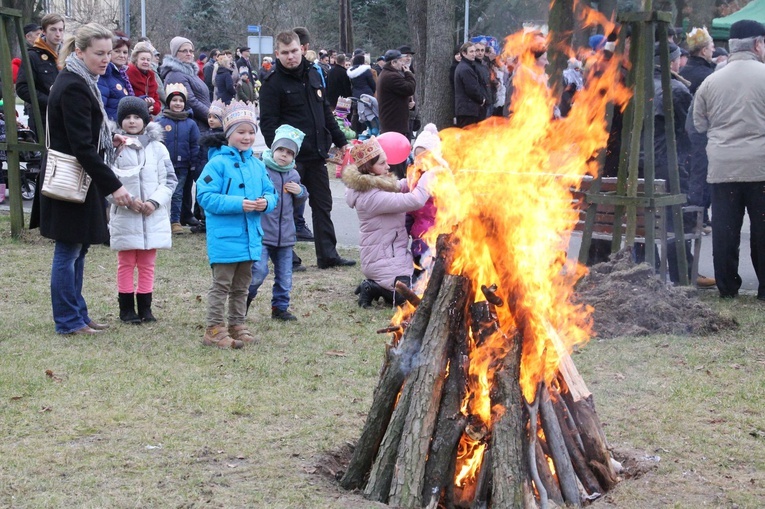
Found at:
[65, 179]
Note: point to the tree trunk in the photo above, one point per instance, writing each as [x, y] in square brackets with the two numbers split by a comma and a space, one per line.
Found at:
[561, 23]
[437, 98]
[427, 382]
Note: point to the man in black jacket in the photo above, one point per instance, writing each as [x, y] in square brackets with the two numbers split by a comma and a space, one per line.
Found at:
[338, 82]
[42, 56]
[469, 91]
[293, 94]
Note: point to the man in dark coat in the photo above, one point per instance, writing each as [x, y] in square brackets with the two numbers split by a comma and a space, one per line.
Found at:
[338, 82]
[244, 61]
[42, 56]
[395, 85]
[469, 91]
[483, 70]
[293, 94]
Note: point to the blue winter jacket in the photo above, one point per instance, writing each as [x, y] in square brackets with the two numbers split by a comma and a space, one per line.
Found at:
[227, 180]
[181, 140]
[112, 88]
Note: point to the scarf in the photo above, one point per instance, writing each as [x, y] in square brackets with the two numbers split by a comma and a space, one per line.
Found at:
[173, 115]
[125, 79]
[42, 43]
[268, 159]
[105, 146]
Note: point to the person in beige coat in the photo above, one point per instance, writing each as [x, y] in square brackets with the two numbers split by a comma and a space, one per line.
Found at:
[730, 108]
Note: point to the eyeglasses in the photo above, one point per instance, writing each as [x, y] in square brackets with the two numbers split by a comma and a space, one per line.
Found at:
[185, 51]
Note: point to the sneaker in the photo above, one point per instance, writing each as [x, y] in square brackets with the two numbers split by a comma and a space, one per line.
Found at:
[705, 282]
[177, 228]
[304, 234]
[283, 315]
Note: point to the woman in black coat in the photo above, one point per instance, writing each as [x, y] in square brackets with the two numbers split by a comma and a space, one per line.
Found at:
[78, 127]
[362, 79]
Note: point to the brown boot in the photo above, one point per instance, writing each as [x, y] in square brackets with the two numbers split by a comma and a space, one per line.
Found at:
[217, 335]
[241, 333]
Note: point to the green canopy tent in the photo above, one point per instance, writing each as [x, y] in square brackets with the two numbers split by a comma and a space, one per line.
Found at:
[721, 26]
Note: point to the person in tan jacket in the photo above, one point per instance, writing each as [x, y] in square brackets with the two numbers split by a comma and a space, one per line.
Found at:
[730, 108]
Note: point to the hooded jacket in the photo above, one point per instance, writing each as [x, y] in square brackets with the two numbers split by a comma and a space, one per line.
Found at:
[112, 88]
[362, 80]
[381, 203]
[731, 110]
[185, 73]
[147, 173]
[230, 177]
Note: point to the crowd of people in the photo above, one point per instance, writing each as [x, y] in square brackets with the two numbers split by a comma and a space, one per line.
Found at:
[149, 131]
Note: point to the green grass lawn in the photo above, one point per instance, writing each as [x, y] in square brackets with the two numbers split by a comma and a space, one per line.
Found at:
[145, 416]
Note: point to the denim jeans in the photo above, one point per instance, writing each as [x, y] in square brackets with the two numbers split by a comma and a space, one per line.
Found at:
[282, 260]
[177, 200]
[70, 312]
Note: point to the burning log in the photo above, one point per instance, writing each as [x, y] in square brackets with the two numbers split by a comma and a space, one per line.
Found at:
[407, 294]
[396, 366]
[427, 383]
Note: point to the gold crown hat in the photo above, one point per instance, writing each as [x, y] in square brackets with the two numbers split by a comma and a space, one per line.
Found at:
[238, 112]
[216, 108]
[365, 152]
[176, 88]
[697, 39]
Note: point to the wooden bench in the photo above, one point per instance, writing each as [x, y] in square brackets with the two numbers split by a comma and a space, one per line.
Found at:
[603, 227]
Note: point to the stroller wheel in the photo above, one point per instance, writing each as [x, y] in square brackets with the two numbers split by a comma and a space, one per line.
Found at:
[28, 188]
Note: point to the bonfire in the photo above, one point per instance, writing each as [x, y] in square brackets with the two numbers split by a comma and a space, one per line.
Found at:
[479, 403]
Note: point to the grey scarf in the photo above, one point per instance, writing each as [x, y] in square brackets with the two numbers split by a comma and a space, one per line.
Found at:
[78, 67]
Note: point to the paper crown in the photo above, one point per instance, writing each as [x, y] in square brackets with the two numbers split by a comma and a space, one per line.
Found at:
[238, 112]
[216, 108]
[176, 88]
[697, 39]
[365, 152]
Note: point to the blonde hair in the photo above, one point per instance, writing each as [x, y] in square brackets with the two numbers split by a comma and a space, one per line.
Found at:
[310, 55]
[83, 38]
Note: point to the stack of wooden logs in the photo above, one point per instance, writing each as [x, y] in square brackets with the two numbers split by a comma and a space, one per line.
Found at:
[550, 451]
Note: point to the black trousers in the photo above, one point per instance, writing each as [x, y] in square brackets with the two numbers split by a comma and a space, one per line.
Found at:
[313, 174]
[729, 202]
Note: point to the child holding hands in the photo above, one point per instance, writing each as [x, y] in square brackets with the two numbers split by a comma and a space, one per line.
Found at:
[279, 235]
[234, 190]
[144, 168]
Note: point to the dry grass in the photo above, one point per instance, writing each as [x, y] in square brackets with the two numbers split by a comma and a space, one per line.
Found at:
[144, 416]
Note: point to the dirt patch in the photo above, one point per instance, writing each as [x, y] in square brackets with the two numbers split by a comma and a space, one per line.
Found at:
[629, 301]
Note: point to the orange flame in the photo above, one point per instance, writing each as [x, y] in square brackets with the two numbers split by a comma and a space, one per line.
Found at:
[507, 202]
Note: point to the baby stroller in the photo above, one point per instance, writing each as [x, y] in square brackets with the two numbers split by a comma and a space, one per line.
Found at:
[369, 116]
[30, 166]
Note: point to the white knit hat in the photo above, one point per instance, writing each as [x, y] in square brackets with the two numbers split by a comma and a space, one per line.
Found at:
[176, 43]
[428, 139]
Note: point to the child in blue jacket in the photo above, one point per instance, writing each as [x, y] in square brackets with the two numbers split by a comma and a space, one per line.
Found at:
[279, 236]
[234, 190]
[182, 141]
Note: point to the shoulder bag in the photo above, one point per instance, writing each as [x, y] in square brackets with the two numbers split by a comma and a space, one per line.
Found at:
[65, 179]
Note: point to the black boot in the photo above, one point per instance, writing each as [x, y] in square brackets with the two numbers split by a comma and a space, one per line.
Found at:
[369, 291]
[144, 307]
[127, 308]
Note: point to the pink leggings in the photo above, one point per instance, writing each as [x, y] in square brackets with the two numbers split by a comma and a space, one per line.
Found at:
[127, 261]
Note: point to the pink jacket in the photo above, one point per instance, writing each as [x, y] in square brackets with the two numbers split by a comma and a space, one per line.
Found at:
[381, 203]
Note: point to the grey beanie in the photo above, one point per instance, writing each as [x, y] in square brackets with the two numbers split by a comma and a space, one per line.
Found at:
[176, 44]
[131, 105]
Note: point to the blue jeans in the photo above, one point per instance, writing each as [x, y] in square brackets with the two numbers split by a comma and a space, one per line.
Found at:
[70, 312]
[282, 260]
[177, 200]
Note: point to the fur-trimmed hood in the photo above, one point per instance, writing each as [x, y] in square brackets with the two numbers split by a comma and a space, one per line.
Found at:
[170, 64]
[153, 132]
[355, 72]
[363, 182]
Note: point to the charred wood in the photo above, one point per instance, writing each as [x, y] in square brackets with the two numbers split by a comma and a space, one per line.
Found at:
[554, 437]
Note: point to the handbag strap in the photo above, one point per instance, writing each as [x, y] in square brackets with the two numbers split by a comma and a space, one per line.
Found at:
[47, 135]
